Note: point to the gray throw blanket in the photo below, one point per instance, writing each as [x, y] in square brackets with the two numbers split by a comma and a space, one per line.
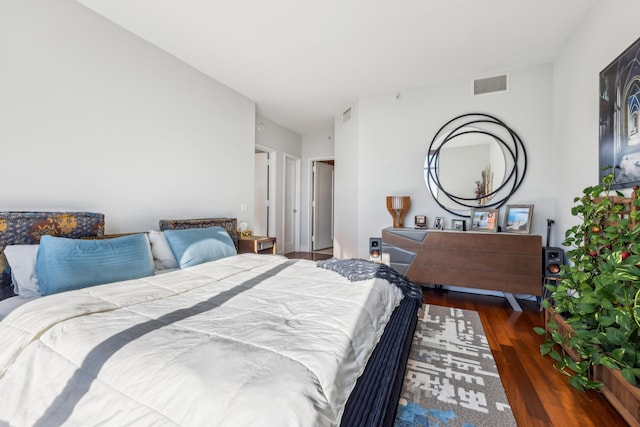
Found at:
[360, 269]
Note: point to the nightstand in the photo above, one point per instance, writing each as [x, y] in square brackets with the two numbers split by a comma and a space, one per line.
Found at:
[257, 245]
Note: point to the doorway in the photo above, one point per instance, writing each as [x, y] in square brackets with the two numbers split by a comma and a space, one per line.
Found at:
[322, 178]
[264, 212]
[291, 217]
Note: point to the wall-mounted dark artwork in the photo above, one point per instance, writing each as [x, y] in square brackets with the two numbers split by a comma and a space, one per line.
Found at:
[620, 118]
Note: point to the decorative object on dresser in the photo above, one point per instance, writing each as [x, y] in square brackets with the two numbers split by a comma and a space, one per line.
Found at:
[474, 160]
[459, 224]
[484, 219]
[504, 262]
[438, 224]
[517, 218]
[420, 221]
[398, 206]
[257, 245]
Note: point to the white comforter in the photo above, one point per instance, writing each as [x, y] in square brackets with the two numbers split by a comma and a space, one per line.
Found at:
[248, 340]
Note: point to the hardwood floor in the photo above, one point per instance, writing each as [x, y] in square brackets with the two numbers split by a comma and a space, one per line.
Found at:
[539, 395]
[313, 256]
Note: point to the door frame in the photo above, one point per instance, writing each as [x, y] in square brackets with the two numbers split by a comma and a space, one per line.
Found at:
[296, 217]
[273, 195]
[311, 182]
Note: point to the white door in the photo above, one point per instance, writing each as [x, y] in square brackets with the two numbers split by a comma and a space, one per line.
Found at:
[291, 204]
[261, 227]
[322, 206]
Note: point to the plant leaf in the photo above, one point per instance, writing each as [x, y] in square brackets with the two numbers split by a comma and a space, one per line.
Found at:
[546, 348]
[557, 337]
[618, 353]
[576, 382]
[608, 362]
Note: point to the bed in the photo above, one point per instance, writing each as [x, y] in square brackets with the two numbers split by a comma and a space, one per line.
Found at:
[240, 340]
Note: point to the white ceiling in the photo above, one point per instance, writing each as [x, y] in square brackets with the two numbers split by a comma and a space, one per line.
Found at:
[302, 61]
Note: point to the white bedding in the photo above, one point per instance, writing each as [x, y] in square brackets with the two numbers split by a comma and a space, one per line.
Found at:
[283, 351]
[7, 305]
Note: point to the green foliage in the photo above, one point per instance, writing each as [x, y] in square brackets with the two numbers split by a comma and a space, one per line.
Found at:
[598, 292]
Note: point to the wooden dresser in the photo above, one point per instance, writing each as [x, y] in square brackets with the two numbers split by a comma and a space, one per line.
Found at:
[504, 262]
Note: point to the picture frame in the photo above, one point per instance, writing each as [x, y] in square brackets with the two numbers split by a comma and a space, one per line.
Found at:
[517, 219]
[619, 133]
[484, 219]
[459, 225]
[438, 223]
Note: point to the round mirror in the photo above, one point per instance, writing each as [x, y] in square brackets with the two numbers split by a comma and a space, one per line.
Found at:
[474, 160]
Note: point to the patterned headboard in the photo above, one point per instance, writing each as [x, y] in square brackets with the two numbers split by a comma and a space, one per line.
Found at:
[26, 228]
[229, 224]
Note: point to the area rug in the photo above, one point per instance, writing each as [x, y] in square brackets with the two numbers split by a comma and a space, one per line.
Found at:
[451, 377]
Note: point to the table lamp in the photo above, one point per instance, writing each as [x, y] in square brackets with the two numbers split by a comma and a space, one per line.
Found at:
[398, 206]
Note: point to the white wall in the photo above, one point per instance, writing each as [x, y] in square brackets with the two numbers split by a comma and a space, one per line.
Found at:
[94, 118]
[609, 29]
[553, 107]
[386, 154]
[282, 141]
[347, 185]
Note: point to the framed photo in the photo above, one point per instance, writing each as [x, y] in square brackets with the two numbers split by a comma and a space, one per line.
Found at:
[484, 219]
[517, 219]
[438, 223]
[619, 128]
[421, 221]
[459, 224]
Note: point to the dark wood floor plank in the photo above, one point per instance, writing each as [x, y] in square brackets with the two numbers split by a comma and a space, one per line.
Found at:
[527, 402]
[313, 256]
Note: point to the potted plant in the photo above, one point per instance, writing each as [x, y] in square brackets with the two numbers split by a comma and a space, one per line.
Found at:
[598, 294]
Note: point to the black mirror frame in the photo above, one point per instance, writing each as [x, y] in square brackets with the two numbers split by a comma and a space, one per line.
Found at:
[482, 124]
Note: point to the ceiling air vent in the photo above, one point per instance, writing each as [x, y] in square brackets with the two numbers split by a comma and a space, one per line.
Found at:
[346, 116]
[490, 85]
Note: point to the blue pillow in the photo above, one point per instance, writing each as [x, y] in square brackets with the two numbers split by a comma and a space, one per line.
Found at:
[65, 264]
[193, 246]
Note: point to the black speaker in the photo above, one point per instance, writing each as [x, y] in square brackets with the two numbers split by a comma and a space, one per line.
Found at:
[375, 249]
[552, 259]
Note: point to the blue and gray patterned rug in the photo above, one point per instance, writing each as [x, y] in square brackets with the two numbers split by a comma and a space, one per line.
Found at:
[451, 378]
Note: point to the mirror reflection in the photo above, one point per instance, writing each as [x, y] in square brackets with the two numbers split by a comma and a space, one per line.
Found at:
[471, 166]
[474, 160]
